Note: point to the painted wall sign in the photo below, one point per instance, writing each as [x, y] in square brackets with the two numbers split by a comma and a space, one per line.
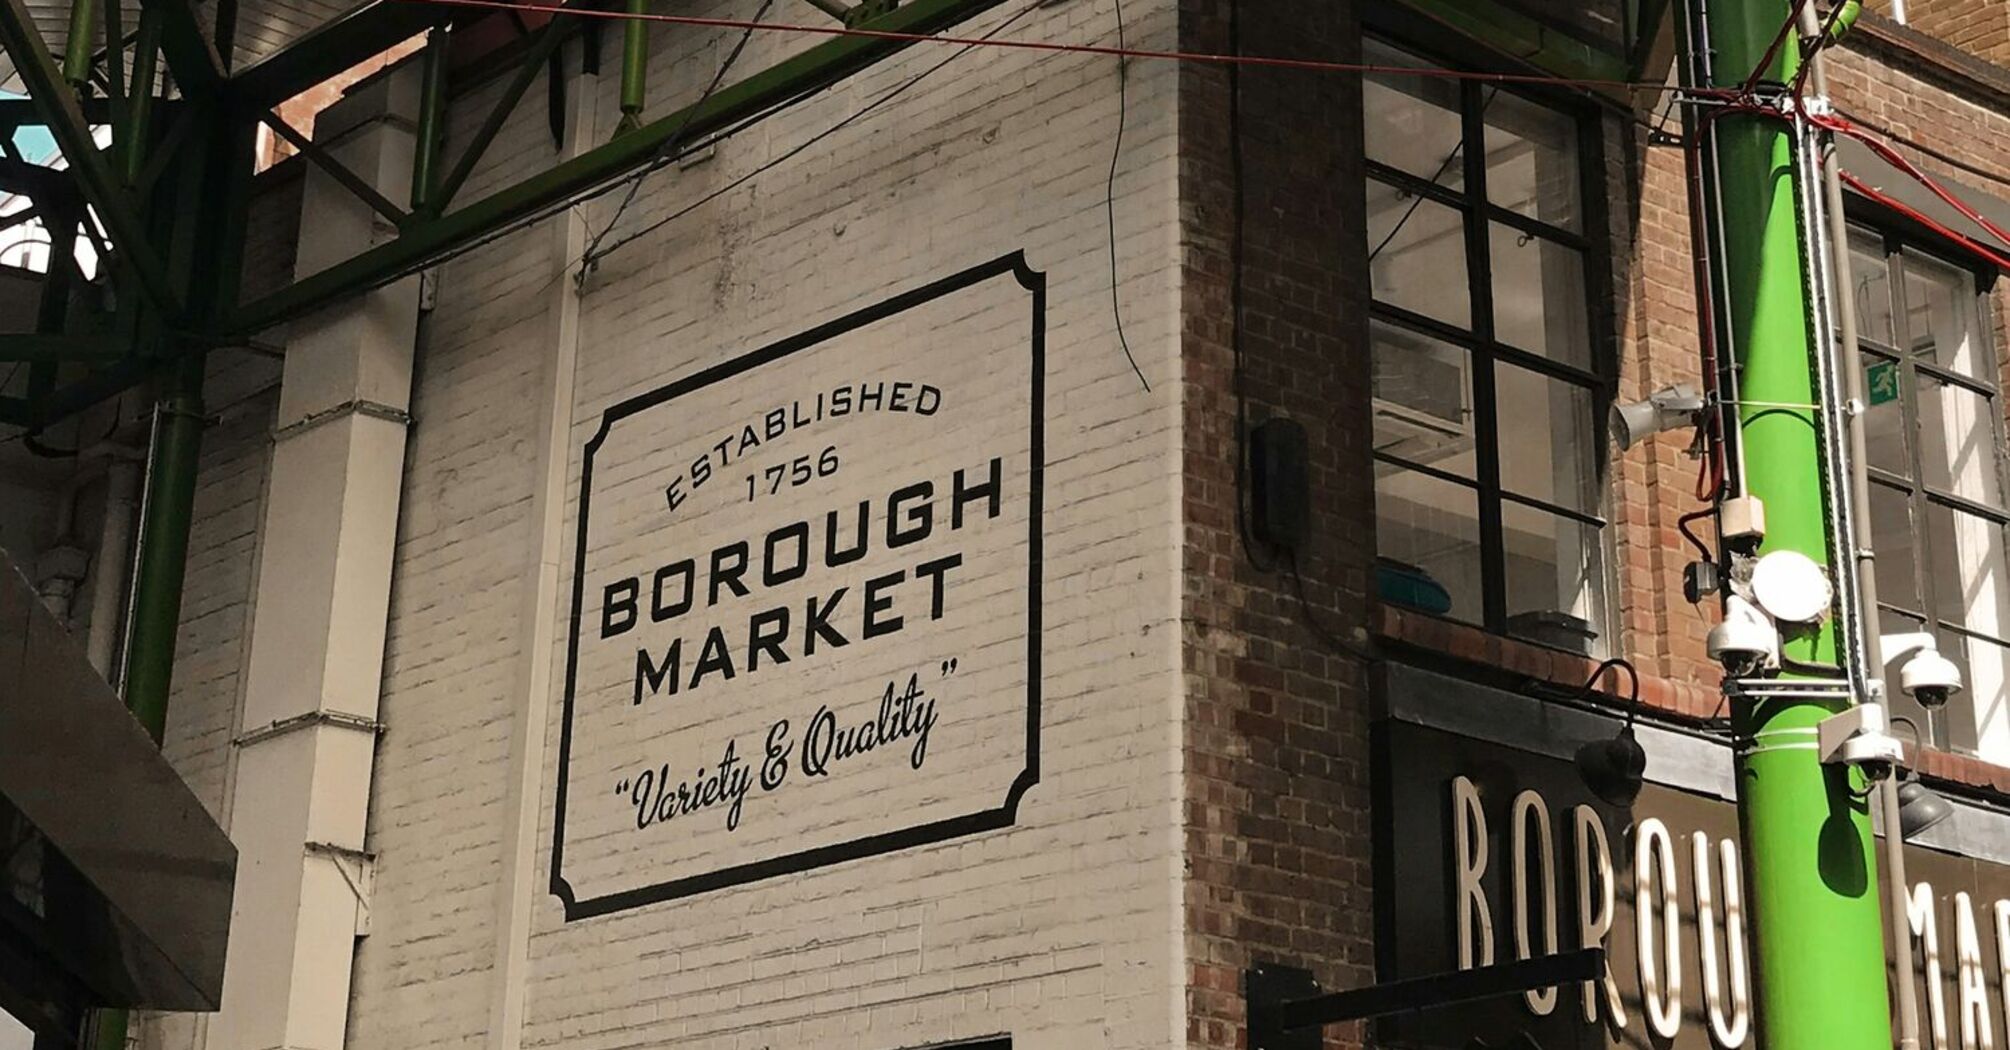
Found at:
[1488, 854]
[806, 602]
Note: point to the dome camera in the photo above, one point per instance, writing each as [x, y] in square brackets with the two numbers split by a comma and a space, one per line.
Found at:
[1746, 642]
[1929, 678]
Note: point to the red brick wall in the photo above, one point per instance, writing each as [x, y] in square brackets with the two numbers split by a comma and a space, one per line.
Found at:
[1979, 27]
[1277, 834]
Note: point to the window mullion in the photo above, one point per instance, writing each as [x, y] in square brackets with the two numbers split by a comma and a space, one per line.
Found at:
[1486, 430]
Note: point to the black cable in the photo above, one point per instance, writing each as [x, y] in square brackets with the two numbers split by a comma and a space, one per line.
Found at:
[669, 147]
[1110, 195]
[1237, 378]
[1311, 617]
[1682, 525]
[818, 137]
[1417, 199]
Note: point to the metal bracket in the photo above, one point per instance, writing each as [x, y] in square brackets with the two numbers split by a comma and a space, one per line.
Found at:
[362, 881]
[358, 407]
[1280, 1020]
[283, 726]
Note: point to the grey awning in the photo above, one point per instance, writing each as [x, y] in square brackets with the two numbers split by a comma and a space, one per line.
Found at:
[117, 883]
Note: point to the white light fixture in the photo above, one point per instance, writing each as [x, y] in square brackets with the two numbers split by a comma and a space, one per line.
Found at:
[1669, 408]
[1789, 586]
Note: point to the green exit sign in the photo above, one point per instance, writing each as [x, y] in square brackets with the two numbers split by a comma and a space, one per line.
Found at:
[1881, 379]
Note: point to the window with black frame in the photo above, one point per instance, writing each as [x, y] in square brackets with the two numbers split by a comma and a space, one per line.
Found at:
[1934, 425]
[1489, 457]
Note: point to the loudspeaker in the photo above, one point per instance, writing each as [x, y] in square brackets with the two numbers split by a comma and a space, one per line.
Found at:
[1280, 495]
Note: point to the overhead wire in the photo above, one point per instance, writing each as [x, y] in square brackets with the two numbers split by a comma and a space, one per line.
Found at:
[1110, 198]
[670, 144]
[1270, 61]
[798, 148]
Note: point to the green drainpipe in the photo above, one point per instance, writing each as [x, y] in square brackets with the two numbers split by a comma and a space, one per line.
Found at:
[1812, 873]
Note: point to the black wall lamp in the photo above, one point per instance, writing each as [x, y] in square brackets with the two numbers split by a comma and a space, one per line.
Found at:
[1615, 769]
[1919, 807]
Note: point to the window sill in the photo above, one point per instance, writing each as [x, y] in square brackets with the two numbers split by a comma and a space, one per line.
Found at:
[1428, 635]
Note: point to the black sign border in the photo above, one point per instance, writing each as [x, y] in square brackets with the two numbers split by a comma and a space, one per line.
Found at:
[1002, 816]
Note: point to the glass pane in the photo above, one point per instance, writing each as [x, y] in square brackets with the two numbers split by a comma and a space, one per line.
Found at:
[1977, 719]
[1546, 446]
[1417, 255]
[1957, 439]
[1969, 583]
[1532, 160]
[1539, 301]
[1884, 422]
[1412, 123]
[1871, 274]
[1891, 539]
[1940, 318]
[1423, 399]
[1555, 579]
[1427, 533]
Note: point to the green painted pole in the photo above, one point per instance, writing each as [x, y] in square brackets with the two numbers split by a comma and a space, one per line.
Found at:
[140, 97]
[77, 48]
[1812, 873]
[634, 66]
[432, 120]
[164, 531]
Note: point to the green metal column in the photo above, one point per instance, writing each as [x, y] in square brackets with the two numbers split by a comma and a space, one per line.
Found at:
[77, 47]
[634, 66]
[1812, 874]
[164, 530]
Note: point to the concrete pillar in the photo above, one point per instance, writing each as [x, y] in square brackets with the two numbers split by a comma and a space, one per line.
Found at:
[300, 799]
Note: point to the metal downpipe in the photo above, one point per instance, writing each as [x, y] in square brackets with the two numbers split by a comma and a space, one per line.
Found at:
[1850, 350]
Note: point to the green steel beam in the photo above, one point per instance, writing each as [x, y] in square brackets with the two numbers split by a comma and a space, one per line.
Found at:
[332, 48]
[57, 105]
[836, 10]
[24, 112]
[132, 142]
[190, 55]
[113, 72]
[424, 242]
[340, 172]
[59, 347]
[543, 43]
[163, 153]
[1510, 31]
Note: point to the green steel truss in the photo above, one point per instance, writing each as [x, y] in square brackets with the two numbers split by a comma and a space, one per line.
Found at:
[174, 286]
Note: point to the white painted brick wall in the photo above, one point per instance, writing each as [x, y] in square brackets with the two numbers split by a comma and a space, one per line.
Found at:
[1062, 931]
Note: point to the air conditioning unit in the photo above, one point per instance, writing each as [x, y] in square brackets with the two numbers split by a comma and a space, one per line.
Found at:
[1422, 408]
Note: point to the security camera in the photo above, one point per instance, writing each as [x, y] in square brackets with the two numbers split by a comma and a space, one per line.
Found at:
[1861, 737]
[1746, 642]
[1927, 677]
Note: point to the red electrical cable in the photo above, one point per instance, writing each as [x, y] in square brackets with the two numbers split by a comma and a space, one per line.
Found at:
[1312, 65]
[1773, 50]
[1962, 240]
[1895, 159]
